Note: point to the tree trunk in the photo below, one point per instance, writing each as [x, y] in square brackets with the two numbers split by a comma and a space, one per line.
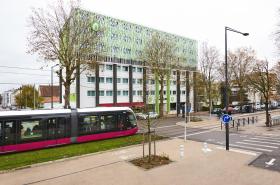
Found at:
[67, 95]
[161, 98]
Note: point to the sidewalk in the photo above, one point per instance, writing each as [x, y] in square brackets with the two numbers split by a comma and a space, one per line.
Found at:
[112, 168]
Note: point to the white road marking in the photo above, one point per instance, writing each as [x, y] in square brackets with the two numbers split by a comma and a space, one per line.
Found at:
[238, 151]
[248, 147]
[197, 133]
[270, 163]
[264, 142]
[267, 137]
[243, 136]
[277, 141]
[254, 144]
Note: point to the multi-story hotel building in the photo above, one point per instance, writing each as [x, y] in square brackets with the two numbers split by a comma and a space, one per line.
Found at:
[118, 80]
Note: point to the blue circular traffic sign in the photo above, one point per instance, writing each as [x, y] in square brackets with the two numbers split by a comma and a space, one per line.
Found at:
[226, 118]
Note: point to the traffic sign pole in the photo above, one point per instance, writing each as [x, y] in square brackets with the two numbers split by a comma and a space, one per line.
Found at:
[226, 119]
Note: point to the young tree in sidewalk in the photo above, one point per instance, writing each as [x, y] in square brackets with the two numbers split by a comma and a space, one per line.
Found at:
[158, 56]
[28, 96]
[65, 34]
[208, 66]
[263, 81]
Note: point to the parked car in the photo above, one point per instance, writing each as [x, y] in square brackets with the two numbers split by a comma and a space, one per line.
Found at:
[152, 115]
[216, 111]
[141, 116]
[236, 109]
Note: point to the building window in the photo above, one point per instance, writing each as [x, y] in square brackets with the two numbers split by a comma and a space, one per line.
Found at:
[109, 67]
[133, 93]
[101, 67]
[174, 82]
[174, 72]
[119, 93]
[109, 93]
[183, 73]
[118, 68]
[152, 82]
[91, 93]
[101, 93]
[139, 93]
[91, 79]
[101, 79]
[139, 81]
[147, 92]
[109, 80]
[174, 92]
[133, 69]
[125, 93]
[183, 92]
[133, 80]
[125, 80]
[164, 92]
[124, 68]
[118, 80]
[164, 82]
[139, 69]
[147, 81]
[152, 93]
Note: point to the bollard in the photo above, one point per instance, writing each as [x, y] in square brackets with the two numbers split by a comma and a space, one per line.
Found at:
[232, 123]
[256, 119]
[253, 120]
[181, 150]
[244, 122]
[248, 120]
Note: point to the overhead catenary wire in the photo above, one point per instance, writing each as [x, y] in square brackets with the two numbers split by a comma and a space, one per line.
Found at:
[24, 68]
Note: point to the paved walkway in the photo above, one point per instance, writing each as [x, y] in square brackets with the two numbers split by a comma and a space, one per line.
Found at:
[112, 168]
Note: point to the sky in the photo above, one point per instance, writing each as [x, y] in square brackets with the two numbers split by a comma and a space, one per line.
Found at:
[202, 20]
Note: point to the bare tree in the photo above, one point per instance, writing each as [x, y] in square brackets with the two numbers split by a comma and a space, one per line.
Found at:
[263, 81]
[65, 34]
[158, 55]
[208, 64]
[241, 62]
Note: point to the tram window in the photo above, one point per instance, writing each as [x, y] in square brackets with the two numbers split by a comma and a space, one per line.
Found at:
[131, 119]
[10, 132]
[107, 122]
[121, 124]
[62, 128]
[31, 129]
[89, 124]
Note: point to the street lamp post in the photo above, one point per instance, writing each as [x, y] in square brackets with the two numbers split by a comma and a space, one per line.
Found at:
[226, 79]
[52, 85]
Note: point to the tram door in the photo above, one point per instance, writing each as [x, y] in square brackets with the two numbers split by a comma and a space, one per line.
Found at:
[1, 136]
[51, 131]
[9, 136]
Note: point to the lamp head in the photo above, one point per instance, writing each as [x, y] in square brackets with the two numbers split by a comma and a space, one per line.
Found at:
[245, 34]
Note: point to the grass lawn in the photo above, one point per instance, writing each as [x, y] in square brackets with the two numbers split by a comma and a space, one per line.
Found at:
[11, 161]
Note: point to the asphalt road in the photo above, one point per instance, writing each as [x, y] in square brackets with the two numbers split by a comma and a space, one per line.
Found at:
[266, 146]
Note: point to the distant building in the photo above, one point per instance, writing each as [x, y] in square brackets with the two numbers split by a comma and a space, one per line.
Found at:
[119, 78]
[45, 91]
[8, 98]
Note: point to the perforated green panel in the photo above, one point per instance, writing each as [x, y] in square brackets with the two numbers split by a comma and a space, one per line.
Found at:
[126, 40]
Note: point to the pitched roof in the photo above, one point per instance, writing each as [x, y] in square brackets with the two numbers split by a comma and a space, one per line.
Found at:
[46, 90]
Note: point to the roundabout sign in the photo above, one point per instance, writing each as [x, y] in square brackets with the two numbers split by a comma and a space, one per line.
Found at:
[226, 118]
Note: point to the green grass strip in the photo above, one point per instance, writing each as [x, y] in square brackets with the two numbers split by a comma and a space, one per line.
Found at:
[16, 160]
